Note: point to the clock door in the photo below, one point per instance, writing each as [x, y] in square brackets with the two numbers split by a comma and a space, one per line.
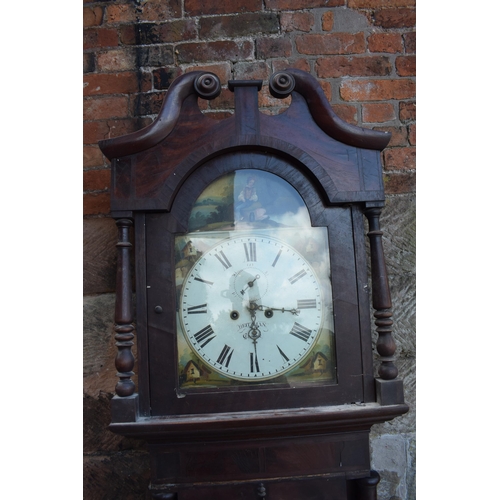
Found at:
[265, 283]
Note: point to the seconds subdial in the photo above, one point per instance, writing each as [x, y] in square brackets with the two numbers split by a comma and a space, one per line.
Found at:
[250, 284]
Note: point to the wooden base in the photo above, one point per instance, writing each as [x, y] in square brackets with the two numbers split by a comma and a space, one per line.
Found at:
[305, 454]
[311, 489]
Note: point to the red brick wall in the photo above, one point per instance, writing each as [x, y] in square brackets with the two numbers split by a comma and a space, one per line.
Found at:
[362, 51]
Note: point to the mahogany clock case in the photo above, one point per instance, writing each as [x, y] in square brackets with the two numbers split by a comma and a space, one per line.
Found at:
[274, 437]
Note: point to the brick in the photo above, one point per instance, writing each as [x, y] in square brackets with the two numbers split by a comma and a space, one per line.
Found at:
[101, 108]
[92, 157]
[116, 60]
[209, 8]
[267, 48]
[391, 43]
[335, 43]
[410, 42]
[296, 21]
[327, 89]
[399, 135]
[159, 10]
[145, 81]
[302, 4]
[160, 55]
[346, 112]
[281, 64]
[224, 50]
[95, 131]
[400, 158]
[121, 13]
[406, 66]
[88, 62]
[378, 4]
[92, 16]
[395, 18]
[147, 33]
[251, 71]
[179, 31]
[96, 203]
[337, 66]
[378, 112]
[96, 180]
[127, 34]
[175, 31]
[377, 90]
[400, 183]
[110, 83]
[239, 25]
[266, 100]
[163, 77]
[412, 134]
[96, 38]
[407, 111]
[148, 104]
[327, 21]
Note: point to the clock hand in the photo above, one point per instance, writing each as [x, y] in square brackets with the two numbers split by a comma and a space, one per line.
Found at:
[294, 311]
[254, 362]
[254, 334]
[249, 284]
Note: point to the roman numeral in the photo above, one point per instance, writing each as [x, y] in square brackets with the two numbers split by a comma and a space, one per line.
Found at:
[223, 260]
[201, 309]
[205, 333]
[306, 304]
[197, 278]
[285, 357]
[277, 257]
[254, 363]
[301, 332]
[225, 355]
[250, 251]
[296, 277]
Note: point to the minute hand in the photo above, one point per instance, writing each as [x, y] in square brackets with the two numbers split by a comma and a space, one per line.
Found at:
[294, 311]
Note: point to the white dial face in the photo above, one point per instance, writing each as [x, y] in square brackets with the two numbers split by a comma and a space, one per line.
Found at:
[251, 308]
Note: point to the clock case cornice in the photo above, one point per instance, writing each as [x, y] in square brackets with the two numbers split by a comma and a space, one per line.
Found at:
[150, 165]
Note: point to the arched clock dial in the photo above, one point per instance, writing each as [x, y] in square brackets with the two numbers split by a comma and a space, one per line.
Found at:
[251, 307]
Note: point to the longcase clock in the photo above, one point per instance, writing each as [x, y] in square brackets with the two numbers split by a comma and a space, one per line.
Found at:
[252, 318]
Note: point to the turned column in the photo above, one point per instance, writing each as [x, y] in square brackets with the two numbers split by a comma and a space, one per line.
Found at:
[381, 297]
[124, 329]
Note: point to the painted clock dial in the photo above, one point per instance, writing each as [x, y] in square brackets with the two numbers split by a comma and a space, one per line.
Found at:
[251, 307]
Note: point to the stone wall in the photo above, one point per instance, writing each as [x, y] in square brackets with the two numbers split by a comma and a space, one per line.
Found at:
[363, 54]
